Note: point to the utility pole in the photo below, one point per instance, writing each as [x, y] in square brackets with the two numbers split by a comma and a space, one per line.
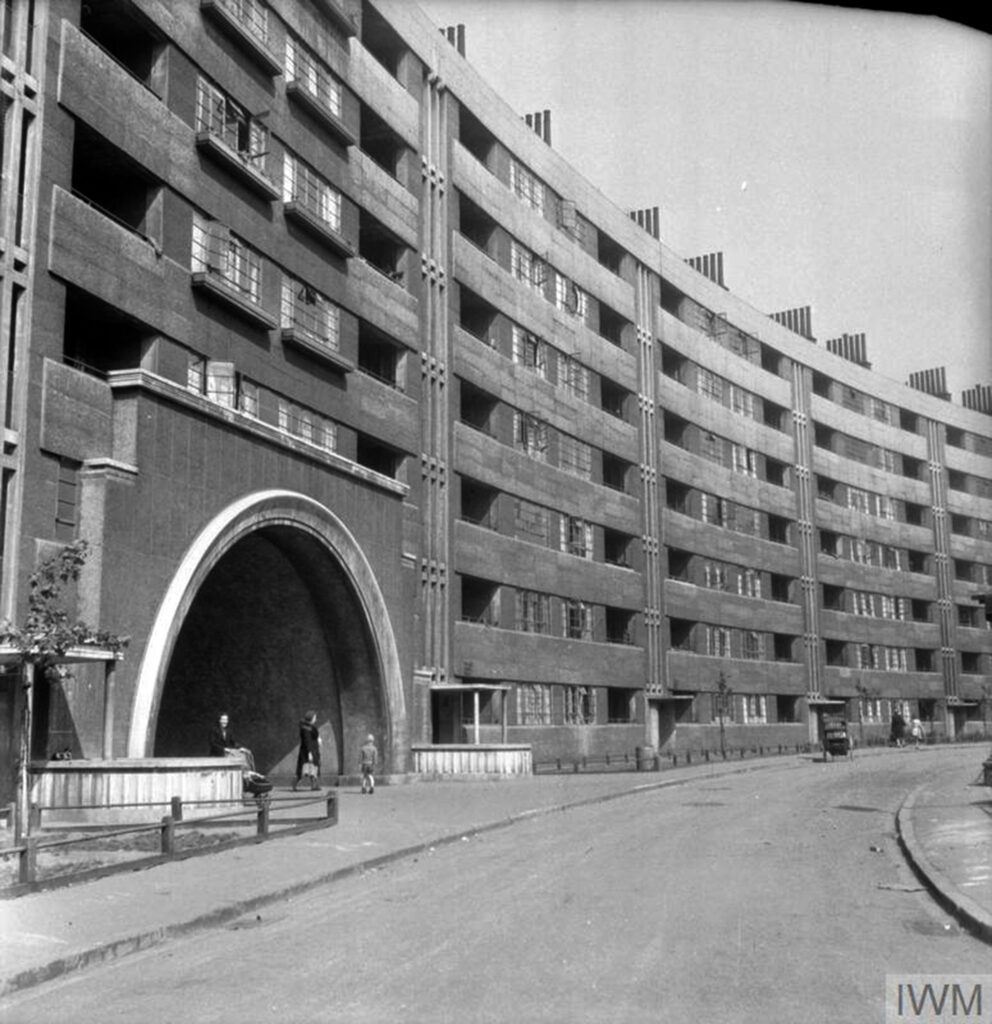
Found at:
[724, 696]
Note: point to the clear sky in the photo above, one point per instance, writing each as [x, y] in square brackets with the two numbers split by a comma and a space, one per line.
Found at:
[839, 158]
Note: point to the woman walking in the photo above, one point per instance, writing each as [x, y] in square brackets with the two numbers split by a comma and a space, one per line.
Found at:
[308, 758]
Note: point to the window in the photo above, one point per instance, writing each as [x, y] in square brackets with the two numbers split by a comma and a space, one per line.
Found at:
[718, 641]
[743, 460]
[326, 435]
[577, 623]
[532, 612]
[66, 499]
[580, 705]
[753, 645]
[574, 457]
[526, 186]
[864, 604]
[754, 709]
[302, 184]
[709, 384]
[715, 576]
[533, 704]
[714, 510]
[741, 401]
[570, 298]
[248, 398]
[306, 71]
[252, 14]
[749, 583]
[857, 499]
[530, 435]
[219, 253]
[573, 377]
[526, 267]
[196, 374]
[221, 383]
[530, 351]
[530, 521]
[884, 506]
[306, 311]
[620, 704]
[871, 709]
[711, 447]
[576, 536]
[881, 411]
[220, 116]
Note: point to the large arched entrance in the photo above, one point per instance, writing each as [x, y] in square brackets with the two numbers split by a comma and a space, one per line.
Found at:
[273, 612]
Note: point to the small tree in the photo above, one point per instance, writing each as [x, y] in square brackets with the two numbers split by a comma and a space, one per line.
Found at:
[48, 635]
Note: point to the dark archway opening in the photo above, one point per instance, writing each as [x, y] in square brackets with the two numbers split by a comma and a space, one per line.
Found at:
[276, 629]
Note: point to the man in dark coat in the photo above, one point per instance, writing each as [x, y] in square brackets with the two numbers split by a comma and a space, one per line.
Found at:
[309, 752]
[223, 744]
[222, 741]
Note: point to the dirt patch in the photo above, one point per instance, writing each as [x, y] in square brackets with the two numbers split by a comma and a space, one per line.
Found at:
[91, 852]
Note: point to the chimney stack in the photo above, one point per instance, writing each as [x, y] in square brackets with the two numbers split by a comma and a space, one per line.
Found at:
[851, 347]
[933, 382]
[798, 320]
[710, 265]
[455, 34]
[647, 219]
[541, 123]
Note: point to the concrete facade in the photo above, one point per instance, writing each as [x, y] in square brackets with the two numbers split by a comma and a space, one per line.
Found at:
[366, 401]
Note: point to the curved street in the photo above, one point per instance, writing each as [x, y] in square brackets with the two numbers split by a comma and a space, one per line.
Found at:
[777, 895]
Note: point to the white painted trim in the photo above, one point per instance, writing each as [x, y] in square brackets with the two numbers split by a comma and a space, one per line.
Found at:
[250, 513]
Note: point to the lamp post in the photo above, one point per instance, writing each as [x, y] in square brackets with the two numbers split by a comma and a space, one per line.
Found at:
[864, 693]
[724, 695]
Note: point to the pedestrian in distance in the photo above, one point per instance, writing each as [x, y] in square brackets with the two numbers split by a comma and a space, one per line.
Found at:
[916, 731]
[368, 759]
[308, 756]
[897, 729]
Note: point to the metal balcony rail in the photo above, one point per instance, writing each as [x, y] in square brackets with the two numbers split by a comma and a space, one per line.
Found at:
[310, 76]
[230, 261]
[133, 74]
[381, 377]
[251, 15]
[82, 197]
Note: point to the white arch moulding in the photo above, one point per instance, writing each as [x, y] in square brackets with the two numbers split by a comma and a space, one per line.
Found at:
[244, 516]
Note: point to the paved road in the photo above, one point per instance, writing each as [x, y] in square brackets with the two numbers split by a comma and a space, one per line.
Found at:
[779, 896]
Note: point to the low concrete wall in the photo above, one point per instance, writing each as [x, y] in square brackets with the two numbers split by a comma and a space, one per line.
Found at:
[91, 792]
[468, 759]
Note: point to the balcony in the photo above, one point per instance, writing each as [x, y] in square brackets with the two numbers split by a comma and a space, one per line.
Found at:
[299, 91]
[312, 344]
[246, 23]
[234, 297]
[342, 21]
[299, 211]
[239, 162]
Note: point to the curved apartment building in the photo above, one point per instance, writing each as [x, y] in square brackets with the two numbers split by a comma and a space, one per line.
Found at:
[365, 400]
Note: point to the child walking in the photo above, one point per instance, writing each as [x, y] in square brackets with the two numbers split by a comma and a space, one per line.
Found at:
[369, 757]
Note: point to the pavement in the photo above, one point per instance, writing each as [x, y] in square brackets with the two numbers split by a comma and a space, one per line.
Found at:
[944, 827]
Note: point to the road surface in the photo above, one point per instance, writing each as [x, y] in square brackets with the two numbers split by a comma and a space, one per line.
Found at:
[772, 896]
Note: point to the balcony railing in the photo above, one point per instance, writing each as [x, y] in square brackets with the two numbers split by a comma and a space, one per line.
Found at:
[247, 22]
